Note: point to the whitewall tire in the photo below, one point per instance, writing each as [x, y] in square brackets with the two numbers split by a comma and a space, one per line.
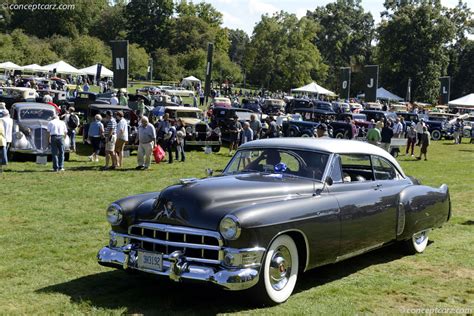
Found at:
[279, 271]
[417, 243]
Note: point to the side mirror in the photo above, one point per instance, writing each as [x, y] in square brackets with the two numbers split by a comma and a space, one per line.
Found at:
[329, 180]
[209, 172]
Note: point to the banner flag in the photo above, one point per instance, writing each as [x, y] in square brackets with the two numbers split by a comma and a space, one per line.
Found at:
[120, 63]
[371, 82]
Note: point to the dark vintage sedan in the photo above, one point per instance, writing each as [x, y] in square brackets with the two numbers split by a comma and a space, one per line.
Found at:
[282, 206]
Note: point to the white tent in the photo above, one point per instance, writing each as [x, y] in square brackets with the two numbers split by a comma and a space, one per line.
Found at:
[92, 71]
[33, 68]
[9, 66]
[188, 81]
[63, 67]
[465, 101]
[314, 88]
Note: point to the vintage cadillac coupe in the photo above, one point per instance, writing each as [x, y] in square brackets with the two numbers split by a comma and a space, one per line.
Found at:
[281, 207]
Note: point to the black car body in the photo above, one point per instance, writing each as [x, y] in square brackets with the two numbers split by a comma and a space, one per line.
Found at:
[222, 118]
[437, 128]
[281, 206]
[83, 99]
[377, 115]
[273, 106]
[252, 105]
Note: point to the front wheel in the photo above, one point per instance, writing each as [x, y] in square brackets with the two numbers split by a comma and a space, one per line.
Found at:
[279, 272]
[417, 243]
[216, 148]
[436, 135]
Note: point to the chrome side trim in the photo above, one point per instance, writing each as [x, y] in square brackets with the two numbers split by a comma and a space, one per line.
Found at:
[358, 252]
[400, 219]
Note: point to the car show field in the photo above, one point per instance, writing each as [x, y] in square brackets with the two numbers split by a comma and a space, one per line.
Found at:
[52, 225]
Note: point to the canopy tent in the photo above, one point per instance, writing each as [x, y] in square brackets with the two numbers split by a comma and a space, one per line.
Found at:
[92, 71]
[188, 81]
[33, 68]
[314, 88]
[384, 94]
[63, 67]
[9, 66]
[465, 101]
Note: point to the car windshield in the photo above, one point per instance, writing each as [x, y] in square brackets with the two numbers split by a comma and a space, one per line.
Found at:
[188, 114]
[36, 114]
[284, 162]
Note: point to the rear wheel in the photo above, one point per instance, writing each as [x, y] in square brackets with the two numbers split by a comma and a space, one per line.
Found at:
[292, 133]
[417, 243]
[279, 272]
[216, 148]
[339, 135]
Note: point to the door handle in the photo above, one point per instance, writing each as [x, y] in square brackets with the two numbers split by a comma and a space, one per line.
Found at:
[377, 186]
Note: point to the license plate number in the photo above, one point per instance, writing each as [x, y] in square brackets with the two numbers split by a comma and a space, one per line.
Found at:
[149, 260]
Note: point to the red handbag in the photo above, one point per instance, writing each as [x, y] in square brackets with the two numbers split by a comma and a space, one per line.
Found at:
[158, 153]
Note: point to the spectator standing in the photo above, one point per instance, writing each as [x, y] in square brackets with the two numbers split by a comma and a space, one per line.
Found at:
[122, 137]
[180, 136]
[201, 97]
[140, 107]
[424, 143]
[110, 140]
[247, 133]
[397, 128]
[3, 148]
[322, 131]
[195, 101]
[57, 130]
[146, 141]
[387, 134]
[72, 122]
[86, 87]
[256, 126]
[234, 128]
[123, 100]
[272, 131]
[460, 128]
[95, 134]
[8, 127]
[419, 130]
[114, 100]
[171, 142]
[411, 139]
[404, 127]
[162, 129]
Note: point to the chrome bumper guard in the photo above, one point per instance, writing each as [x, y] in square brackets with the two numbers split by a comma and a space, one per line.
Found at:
[177, 267]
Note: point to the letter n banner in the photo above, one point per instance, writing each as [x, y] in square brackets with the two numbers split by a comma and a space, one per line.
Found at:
[371, 82]
[120, 63]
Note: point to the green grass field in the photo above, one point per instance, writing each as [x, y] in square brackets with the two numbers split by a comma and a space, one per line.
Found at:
[53, 224]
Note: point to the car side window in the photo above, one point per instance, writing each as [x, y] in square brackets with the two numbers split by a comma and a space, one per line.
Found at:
[336, 172]
[356, 168]
[383, 169]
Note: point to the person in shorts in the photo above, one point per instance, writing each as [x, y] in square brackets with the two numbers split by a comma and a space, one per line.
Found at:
[122, 137]
[110, 140]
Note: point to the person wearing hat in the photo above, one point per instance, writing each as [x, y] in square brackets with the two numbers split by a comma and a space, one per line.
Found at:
[322, 131]
[411, 139]
[110, 140]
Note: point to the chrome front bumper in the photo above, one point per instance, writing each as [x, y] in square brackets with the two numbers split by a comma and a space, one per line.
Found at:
[177, 268]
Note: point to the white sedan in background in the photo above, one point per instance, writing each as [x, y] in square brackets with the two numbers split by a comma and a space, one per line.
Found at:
[179, 91]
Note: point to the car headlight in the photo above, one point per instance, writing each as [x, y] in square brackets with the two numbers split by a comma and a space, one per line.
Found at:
[229, 227]
[217, 130]
[189, 130]
[114, 214]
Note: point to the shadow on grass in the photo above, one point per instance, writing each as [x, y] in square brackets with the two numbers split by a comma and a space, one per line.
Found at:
[468, 222]
[140, 293]
[467, 150]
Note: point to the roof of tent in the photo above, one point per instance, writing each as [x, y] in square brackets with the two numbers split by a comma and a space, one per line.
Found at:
[191, 79]
[33, 67]
[92, 70]
[63, 67]
[467, 101]
[313, 87]
[9, 65]
[384, 94]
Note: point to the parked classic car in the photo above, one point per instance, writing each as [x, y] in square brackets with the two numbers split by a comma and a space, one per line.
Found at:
[83, 99]
[179, 91]
[282, 206]
[30, 134]
[11, 95]
[437, 128]
[222, 118]
[273, 106]
[198, 132]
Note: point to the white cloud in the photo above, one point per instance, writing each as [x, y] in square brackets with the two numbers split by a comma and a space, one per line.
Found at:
[231, 19]
[301, 12]
[260, 7]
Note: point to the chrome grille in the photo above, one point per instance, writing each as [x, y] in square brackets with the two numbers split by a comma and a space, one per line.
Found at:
[196, 244]
[40, 136]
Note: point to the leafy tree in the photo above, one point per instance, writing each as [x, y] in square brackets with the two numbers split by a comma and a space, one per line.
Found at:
[112, 24]
[138, 61]
[412, 44]
[87, 50]
[149, 22]
[283, 54]
[202, 10]
[463, 82]
[166, 66]
[189, 33]
[345, 35]
[224, 69]
[238, 44]
[193, 62]
[45, 23]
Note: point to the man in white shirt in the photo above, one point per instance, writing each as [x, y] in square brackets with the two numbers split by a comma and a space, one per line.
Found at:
[122, 137]
[114, 100]
[397, 128]
[419, 130]
[8, 127]
[57, 130]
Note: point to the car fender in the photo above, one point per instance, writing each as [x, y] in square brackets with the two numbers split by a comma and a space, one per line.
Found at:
[420, 208]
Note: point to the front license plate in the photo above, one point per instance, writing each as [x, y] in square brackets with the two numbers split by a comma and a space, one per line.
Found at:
[150, 260]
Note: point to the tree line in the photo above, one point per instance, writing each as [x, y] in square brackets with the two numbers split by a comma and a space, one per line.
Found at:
[416, 39]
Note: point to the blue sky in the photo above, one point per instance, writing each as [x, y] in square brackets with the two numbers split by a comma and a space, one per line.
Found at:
[244, 14]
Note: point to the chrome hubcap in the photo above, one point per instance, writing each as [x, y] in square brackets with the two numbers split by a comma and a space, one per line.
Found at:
[420, 237]
[280, 268]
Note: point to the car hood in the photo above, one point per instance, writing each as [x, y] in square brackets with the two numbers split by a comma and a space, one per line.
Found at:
[190, 121]
[32, 124]
[203, 203]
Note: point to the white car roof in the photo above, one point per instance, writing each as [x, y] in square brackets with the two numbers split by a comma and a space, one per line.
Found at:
[329, 145]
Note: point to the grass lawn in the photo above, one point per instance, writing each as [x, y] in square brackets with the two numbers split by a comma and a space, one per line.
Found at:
[53, 224]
